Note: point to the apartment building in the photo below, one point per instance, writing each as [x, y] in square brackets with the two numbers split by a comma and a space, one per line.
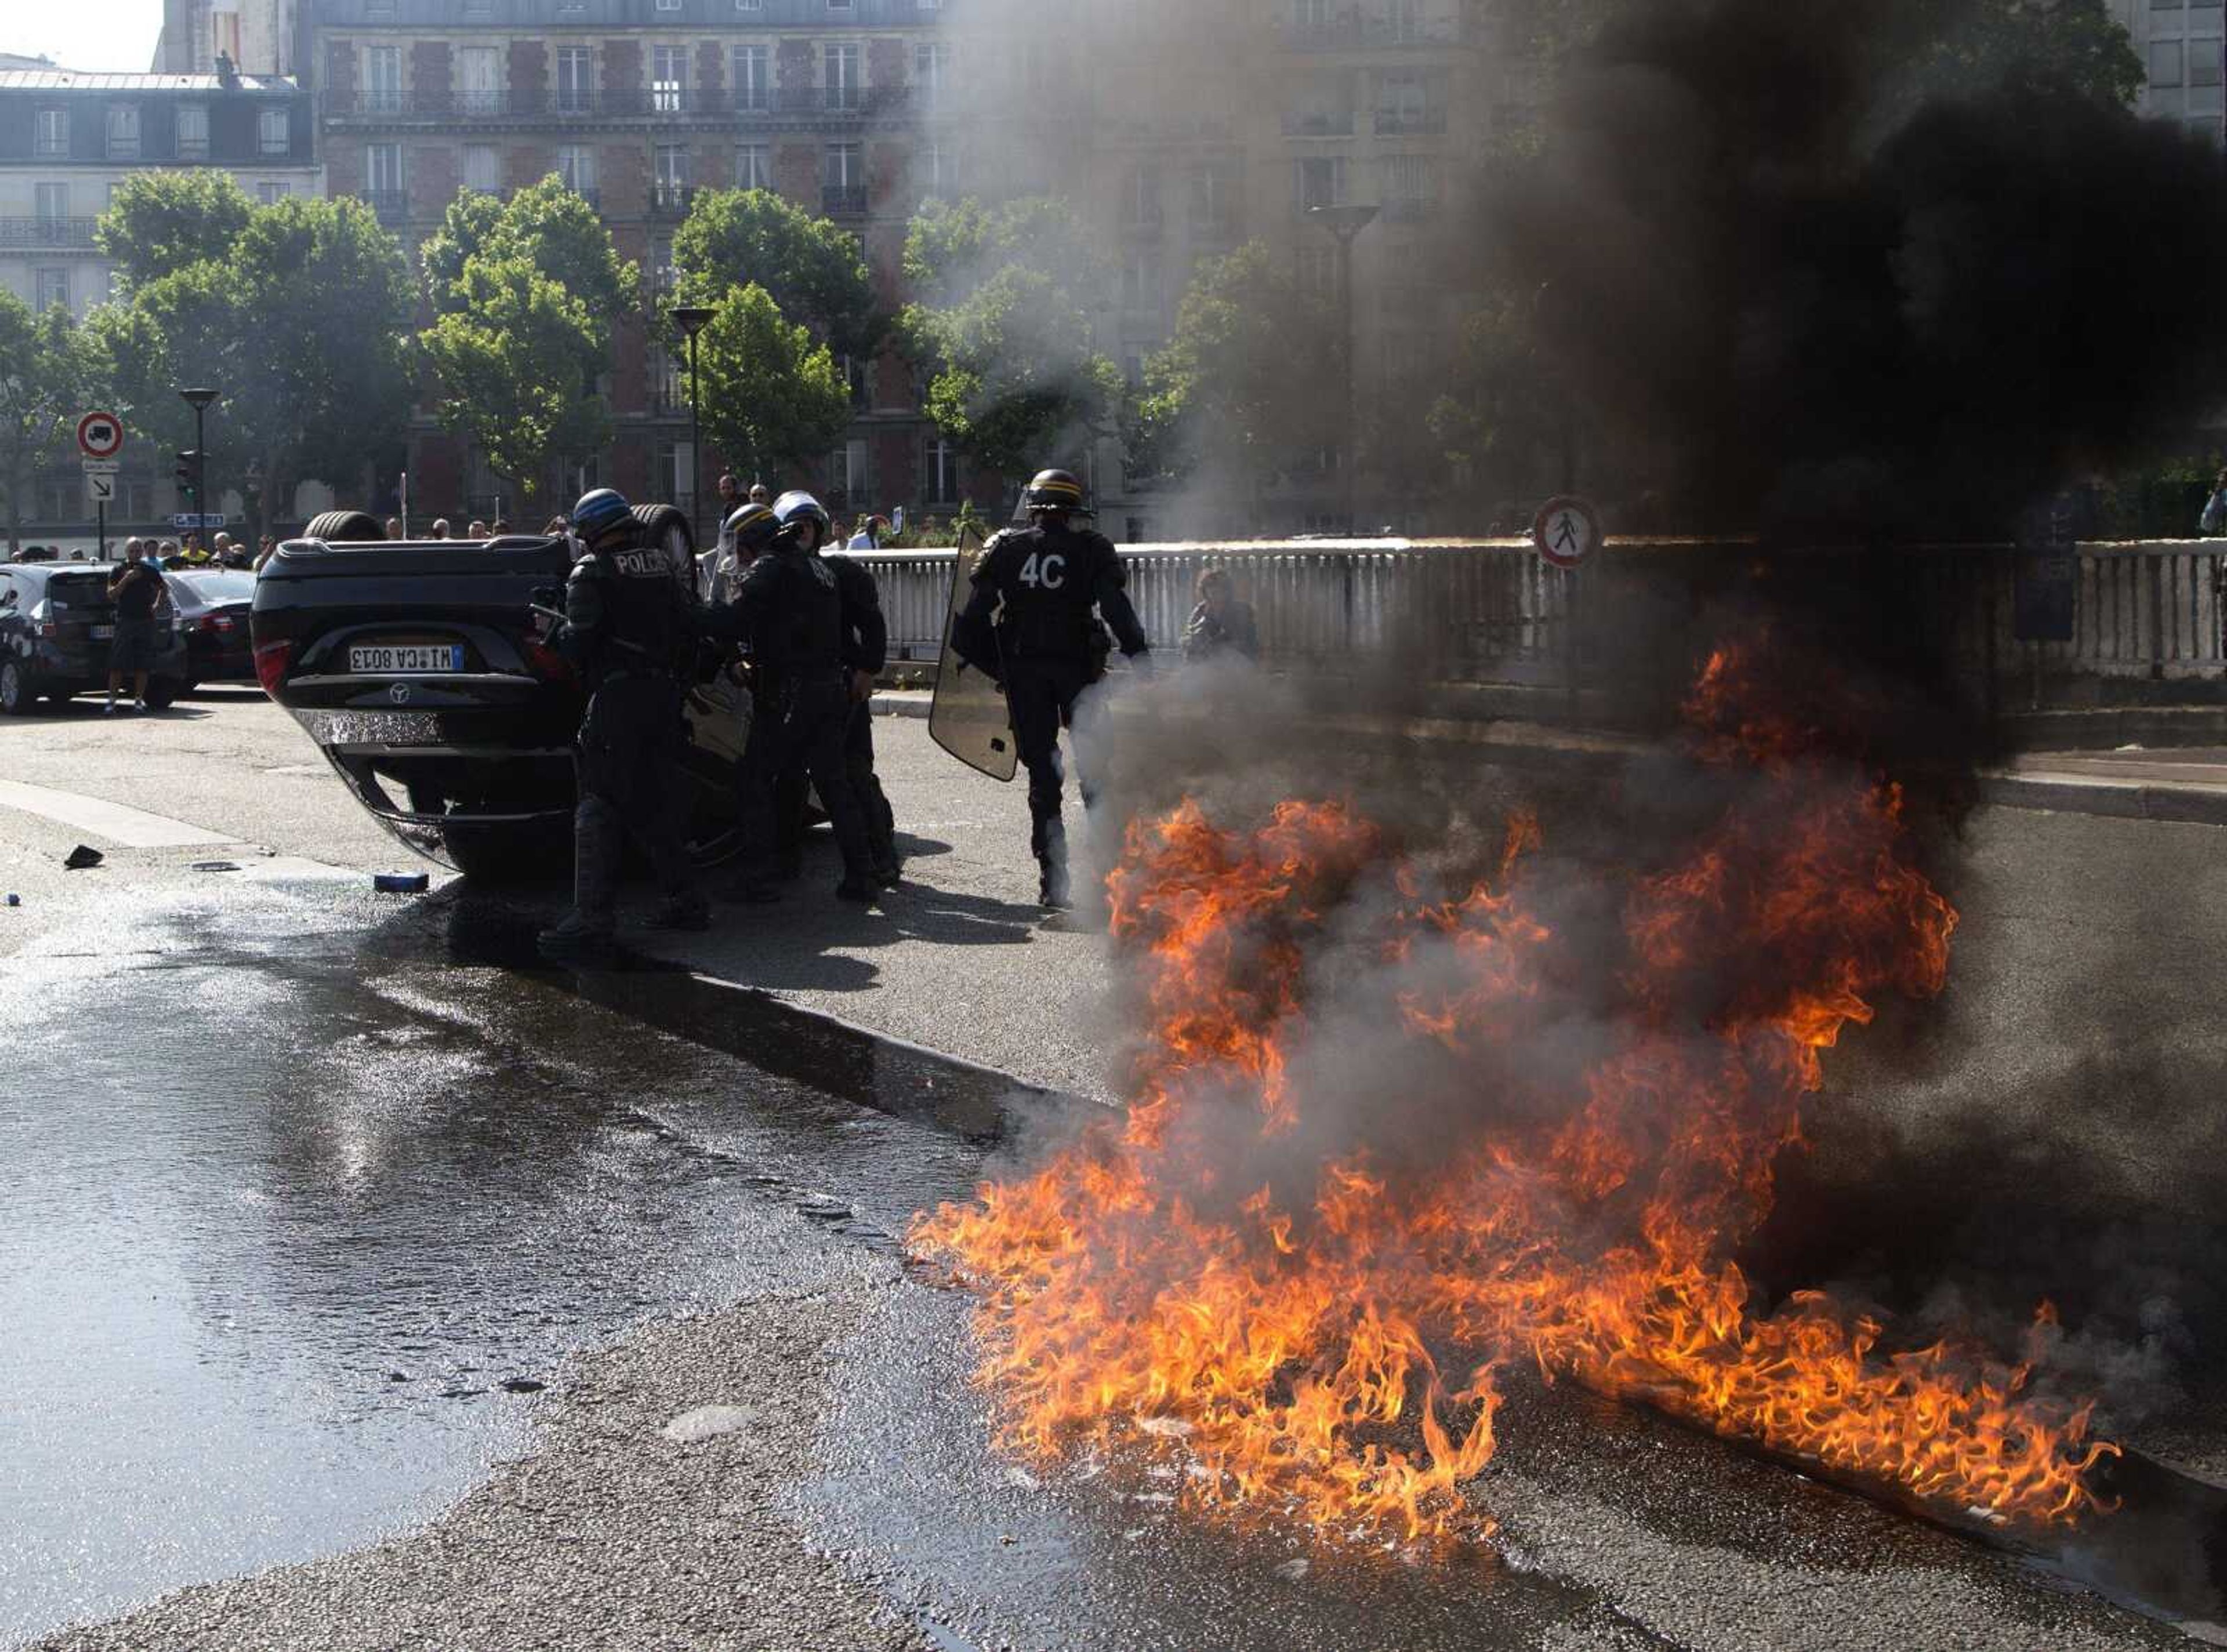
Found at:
[637, 105]
[2183, 46]
[68, 139]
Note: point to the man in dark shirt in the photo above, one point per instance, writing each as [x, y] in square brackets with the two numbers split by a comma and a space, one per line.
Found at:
[1033, 622]
[136, 589]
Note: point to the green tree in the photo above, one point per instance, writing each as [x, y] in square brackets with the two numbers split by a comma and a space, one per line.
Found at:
[774, 399]
[551, 227]
[525, 298]
[160, 223]
[50, 378]
[300, 322]
[811, 268]
[1003, 325]
[1233, 391]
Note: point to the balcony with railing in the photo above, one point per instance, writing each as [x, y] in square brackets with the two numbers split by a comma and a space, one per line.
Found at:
[649, 103]
[392, 206]
[67, 234]
[1319, 123]
[1358, 34]
[670, 199]
[843, 200]
[1399, 122]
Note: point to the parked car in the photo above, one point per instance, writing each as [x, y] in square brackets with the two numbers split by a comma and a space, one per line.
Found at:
[56, 624]
[213, 606]
[425, 677]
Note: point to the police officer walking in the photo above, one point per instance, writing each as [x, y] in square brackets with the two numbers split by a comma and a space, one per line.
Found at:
[1033, 621]
[631, 629]
[790, 609]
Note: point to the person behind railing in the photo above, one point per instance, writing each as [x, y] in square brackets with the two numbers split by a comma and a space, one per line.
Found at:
[2214, 519]
[1222, 626]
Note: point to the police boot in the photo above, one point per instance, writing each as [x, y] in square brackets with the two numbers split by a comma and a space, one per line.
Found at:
[586, 930]
[1052, 886]
[858, 888]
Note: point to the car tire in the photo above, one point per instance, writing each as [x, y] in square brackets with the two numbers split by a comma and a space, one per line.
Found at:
[344, 527]
[161, 692]
[19, 696]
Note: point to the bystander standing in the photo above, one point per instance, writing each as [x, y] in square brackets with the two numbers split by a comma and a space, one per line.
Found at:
[136, 589]
[394, 527]
[1222, 626]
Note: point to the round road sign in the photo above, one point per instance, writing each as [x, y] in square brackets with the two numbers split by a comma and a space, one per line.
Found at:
[1566, 531]
[100, 434]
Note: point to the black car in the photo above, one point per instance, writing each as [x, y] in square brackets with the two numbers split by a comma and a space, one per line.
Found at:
[56, 624]
[422, 672]
[213, 606]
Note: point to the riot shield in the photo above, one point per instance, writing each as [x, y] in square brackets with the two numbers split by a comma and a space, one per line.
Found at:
[969, 718]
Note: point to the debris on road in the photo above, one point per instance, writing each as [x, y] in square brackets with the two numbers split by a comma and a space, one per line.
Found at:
[81, 857]
[216, 865]
[400, 882]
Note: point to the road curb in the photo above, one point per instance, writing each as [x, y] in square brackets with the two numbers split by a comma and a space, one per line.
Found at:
[2116, 799]
[902, 704]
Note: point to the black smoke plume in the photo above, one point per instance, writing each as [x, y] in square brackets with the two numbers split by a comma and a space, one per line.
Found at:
[1805, 280]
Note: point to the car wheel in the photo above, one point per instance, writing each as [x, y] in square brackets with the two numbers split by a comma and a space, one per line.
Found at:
[18, 696]
[161, 692]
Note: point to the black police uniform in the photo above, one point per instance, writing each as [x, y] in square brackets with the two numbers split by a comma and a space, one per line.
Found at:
[865, 648]
[789, 607]
[631, 629]
[1051, 580]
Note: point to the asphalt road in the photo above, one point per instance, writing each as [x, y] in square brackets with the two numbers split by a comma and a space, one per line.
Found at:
[439, 1136]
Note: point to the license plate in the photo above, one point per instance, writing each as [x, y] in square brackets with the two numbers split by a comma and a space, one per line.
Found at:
[102, 633]
[402, 660]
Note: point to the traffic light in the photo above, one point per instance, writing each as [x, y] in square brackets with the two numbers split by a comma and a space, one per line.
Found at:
[188, 473]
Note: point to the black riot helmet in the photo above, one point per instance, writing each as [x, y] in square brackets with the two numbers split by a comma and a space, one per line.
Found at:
[1055, 490]
[754, 527]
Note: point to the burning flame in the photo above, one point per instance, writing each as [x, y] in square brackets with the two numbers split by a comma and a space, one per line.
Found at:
[1232, 1275]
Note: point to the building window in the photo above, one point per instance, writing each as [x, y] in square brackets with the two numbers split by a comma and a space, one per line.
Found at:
[382, 79]
[843, 178]
[54, 203]
[2203, 62]
[753, 77]
[51, 133]
[1140, 196]
[668, 78]
[749, 5]
[1212, 197]
[929, 60]
[841, 8]
[479, 81]
[576, 79]
[1140, 282]
[576, 165]
[1321, 180]
[2164, 62]
[668, 5]
[51, 287]
[673, 469]
[839, 76]
[1411, 185]
[1316, 271]
[192, 132]
[273, 132]
[669, 177]
[271, 191]
[662, 276]
[753, 167]
[939, 169]
[483, 168]
[382, 176]
[123, 131]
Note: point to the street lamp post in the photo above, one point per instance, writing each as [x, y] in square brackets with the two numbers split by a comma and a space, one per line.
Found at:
[691, 319]
[1344, 223]
[199, 400]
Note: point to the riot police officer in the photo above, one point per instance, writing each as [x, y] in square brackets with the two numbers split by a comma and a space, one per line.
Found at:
[631, 629]
[865, 651]
[1033, 620]
[790, 609]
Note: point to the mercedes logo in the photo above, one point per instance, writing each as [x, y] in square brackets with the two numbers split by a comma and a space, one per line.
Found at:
[400, 694]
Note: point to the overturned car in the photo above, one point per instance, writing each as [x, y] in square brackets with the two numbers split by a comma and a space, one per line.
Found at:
[426, 675]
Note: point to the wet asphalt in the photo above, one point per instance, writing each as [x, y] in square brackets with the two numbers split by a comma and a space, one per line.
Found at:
[336, 1227]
